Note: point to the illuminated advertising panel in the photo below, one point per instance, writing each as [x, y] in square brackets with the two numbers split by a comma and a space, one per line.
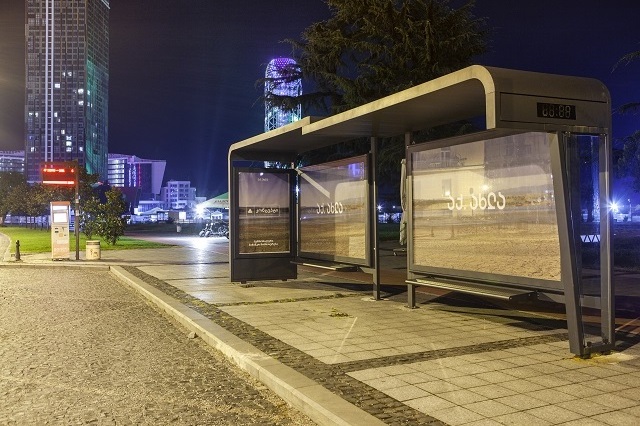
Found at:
[264, 212]
[485, 209]
[334, 213]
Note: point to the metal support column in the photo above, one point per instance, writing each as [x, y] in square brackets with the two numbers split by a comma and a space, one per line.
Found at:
[374, 218]
[607, 294]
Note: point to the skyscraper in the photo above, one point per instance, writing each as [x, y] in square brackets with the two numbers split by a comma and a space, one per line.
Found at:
[67, 83]
[281, 80]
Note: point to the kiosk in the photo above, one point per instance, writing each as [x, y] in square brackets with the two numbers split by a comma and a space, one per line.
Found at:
[60, 215]
[497, 213]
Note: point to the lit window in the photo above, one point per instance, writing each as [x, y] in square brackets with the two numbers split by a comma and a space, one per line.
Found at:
[57, 85]
[80, 91]
[81, 103]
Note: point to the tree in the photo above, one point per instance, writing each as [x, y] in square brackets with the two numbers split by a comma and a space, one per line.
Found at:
[104, 218]
[372, 48]
[10, 185]
[628, 163]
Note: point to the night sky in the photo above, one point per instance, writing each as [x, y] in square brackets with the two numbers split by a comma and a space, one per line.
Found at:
[183, 72]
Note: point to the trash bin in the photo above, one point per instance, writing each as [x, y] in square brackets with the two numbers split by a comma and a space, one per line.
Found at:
[93, 250]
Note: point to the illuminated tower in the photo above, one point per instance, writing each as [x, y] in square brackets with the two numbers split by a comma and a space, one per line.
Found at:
[67, 84]
[281, 80]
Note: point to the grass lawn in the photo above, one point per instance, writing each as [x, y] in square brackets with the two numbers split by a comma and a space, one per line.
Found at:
[39, 241]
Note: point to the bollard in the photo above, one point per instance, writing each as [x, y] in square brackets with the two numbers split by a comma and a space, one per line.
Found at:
[17, 250]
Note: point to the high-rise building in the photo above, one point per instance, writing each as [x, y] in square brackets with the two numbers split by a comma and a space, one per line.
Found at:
[67, 82]
[281, 79]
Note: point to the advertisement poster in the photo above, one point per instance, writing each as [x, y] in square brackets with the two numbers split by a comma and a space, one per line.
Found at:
[486, 206]
[334, 211]
[264, 212]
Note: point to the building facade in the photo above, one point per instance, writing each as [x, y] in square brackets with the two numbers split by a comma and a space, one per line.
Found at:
[67, 84]
[12, 161]
[178, 194]
[129, 171]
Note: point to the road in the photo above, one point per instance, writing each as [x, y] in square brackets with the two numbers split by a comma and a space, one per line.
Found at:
[77, 346]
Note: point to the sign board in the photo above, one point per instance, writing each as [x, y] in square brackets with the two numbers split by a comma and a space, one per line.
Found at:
[485, 209]
[60, 215]
[264, 212]
[59, 174]
[334, 211]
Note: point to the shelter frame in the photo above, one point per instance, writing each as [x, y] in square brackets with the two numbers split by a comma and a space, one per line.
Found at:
[509, 101]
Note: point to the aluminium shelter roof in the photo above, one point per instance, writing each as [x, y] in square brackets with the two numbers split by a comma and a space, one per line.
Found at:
[470, 92]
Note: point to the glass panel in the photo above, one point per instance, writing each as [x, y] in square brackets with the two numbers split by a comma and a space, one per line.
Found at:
[334, 212]
[486, 207]
[589, 265]
[264, 202]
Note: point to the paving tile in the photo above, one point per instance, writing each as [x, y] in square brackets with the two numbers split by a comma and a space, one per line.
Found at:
[404, 393]
[549, 381]
[521, 402]
[456, 415]
[585, 407]
[579, 390]
[467, 382]
[495, 377]
[384, 383]
[493, 391]
[462, 396]
[438, 386]
[554, 414]
[490, 408]
[613, 401]
[551, 396]
[429, 404]
[617, 418]
[370, 374]
[415, 377]
[521, 418]
[607, 385]
[522, 386]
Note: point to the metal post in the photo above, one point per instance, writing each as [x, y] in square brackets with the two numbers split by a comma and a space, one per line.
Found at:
[17, 250]
[374, 219]
[77, 211]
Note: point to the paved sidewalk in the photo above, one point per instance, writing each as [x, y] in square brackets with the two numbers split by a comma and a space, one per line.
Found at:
[342, 358]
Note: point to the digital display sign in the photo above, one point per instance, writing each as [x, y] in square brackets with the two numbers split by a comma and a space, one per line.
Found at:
[264, 212]
[561, 111]
[485, 209]
[59, 174]
[334, 213]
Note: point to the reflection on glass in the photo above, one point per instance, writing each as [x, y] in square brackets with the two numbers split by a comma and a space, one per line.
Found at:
[264, 212]
[333, 210]
[486, 207]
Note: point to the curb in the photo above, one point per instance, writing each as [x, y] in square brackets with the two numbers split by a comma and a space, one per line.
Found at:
[306, 395]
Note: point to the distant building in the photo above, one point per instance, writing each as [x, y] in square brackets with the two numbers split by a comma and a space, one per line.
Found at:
[129, 171]
[178, 194]
[67, 84]
[281, 80]
[12, 161]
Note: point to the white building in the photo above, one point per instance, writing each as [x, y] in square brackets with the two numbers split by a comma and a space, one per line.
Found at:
[178, 194]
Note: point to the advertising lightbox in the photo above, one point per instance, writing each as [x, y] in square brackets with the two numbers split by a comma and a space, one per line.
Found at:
[483, 207]
[264, 212]
[334, 211]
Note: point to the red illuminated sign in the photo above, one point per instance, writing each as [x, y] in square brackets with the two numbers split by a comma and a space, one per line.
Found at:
[59, 174]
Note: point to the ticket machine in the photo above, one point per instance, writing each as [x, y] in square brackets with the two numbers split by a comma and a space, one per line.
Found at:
[60, 215]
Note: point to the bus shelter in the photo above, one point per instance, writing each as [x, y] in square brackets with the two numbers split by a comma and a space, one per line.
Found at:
[518, 210]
